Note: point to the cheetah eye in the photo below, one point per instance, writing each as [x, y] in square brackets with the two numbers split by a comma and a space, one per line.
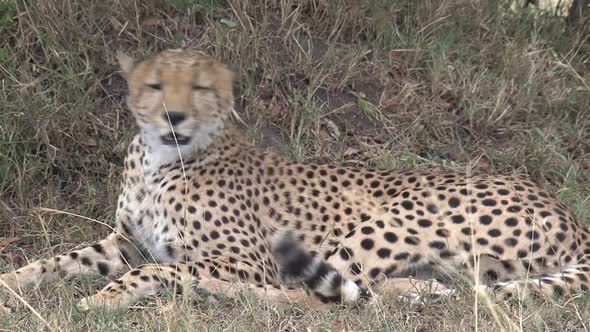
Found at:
[199, 87]
[155, 86]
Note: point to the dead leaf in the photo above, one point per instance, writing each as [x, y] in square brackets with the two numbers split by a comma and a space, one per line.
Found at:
[276, 110]
[331, 128]
[484, 165]
[168, 308]
[415, 148]
[90, 142]
[228, 22]
[116, 24]
[5, 241]
[324, 135]
[265, 91]
[151, 22]
[350, 151]
[445, 104]
[395, 75]
[337, 325]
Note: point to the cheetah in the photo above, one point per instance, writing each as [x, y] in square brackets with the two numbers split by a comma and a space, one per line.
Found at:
[201, 207]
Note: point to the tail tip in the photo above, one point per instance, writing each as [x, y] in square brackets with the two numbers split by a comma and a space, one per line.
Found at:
[351, 292]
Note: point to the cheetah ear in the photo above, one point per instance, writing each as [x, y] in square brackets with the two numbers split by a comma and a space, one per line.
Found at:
[126, 63]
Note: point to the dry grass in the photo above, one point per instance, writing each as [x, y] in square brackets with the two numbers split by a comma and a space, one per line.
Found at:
[461, 85]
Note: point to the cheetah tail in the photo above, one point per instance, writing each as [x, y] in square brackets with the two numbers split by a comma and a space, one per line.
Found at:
[297, 266]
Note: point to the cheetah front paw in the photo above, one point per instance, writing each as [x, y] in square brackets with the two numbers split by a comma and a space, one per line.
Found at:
[8, 280]
[83, 305]
[433, 291]
[8, 287]
[99, 301]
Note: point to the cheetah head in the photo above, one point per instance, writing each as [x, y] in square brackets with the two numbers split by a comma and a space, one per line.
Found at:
[178, 97]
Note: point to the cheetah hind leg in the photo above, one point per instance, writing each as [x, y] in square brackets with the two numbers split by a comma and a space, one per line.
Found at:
[414, 290]
[568, 281]
[152, 279]
[274, 294]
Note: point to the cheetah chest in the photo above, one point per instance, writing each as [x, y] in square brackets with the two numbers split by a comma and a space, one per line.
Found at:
[145, 216]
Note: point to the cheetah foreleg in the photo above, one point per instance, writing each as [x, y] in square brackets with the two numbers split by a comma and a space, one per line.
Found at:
[143, 281]
[108, 257]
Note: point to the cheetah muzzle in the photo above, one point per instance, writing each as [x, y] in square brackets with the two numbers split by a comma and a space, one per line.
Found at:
[175, 139]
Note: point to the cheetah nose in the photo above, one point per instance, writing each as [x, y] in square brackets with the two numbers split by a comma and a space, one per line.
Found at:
[175, 117]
